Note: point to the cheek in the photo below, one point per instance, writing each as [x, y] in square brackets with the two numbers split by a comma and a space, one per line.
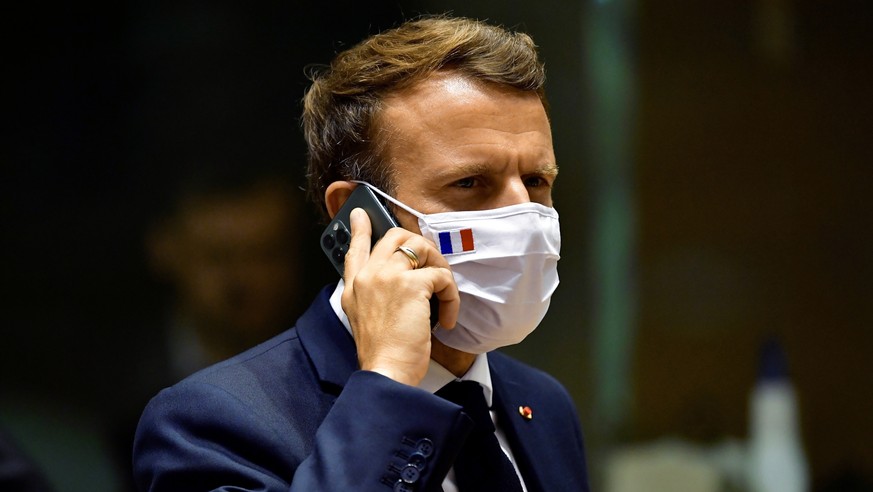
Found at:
[407, 220]
[543, 198]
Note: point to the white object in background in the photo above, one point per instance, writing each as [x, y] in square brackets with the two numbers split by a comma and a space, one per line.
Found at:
[776, 459]
[664, 466]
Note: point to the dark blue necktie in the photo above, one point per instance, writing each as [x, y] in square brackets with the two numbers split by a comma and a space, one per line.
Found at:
[481, 464]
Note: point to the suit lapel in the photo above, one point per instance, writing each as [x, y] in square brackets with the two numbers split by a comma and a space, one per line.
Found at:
[525, 436]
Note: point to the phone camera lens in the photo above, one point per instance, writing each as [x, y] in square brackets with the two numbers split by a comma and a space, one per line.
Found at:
[339, 254]
[328, 241]
[342, 236]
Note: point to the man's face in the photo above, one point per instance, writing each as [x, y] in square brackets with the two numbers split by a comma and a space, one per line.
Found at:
[234, 261]
[455, 144]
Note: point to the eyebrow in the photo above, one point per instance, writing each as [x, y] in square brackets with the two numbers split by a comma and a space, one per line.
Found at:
[550, 169]
[480, 168]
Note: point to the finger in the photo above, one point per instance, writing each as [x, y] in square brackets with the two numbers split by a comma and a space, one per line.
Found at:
[428, 256]
[359, 247]
[442, 284]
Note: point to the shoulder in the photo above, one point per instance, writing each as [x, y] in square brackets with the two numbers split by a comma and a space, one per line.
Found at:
[508, 368]
[269, 361]
[263, 383]
[258, 385]
[284, 367]
[515, 381]
[243, 406]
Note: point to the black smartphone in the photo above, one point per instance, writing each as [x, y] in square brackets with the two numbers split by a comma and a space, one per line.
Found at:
[337, 235]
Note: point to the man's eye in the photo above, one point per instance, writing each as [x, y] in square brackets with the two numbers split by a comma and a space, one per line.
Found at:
[535, 181]
[465, 183]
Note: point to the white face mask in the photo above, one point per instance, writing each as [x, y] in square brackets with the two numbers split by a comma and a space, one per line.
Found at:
[505, 262]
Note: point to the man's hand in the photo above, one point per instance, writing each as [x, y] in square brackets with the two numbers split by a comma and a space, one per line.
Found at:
[388, 303]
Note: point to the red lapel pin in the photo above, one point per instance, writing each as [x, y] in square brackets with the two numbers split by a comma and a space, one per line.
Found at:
[525, 412]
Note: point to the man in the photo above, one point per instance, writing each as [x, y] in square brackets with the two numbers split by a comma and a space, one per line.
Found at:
[229, 253]
[446, 119]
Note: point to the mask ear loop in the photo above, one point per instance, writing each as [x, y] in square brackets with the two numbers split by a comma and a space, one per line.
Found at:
[390, 198]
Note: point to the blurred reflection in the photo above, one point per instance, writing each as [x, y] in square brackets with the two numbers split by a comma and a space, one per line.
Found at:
[226, 249]
[228, 252]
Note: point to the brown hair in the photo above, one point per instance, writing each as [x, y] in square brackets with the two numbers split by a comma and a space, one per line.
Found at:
[341, 106]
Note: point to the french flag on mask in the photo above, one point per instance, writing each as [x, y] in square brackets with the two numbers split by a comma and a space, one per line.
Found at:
[455, 242]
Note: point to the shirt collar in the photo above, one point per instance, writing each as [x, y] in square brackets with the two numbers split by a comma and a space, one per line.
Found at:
[437, 376]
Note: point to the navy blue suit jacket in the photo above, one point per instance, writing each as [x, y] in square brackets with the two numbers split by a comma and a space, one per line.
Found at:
[296, 413]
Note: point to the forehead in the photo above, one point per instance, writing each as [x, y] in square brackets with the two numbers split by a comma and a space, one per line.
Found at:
[446, 89]
[448, 107]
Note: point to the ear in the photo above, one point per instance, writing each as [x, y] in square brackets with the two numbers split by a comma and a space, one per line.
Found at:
[336, 195]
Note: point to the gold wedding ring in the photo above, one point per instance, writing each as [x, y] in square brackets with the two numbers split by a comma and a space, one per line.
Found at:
[410, 255]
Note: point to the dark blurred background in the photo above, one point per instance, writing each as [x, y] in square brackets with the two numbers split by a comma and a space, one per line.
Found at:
[715, 192]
